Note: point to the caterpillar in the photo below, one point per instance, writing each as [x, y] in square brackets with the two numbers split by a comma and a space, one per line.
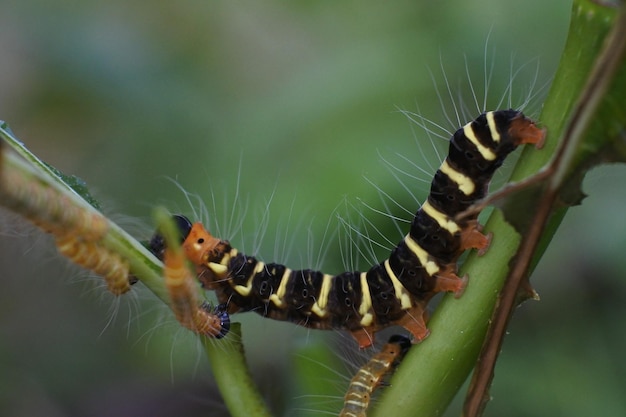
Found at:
[370, 376]
[182, 288]
[395, 291]
[48, 208]
[77, 230]
[99, 259]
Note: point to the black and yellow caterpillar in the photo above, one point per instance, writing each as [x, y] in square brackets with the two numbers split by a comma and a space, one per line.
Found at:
[396, 291]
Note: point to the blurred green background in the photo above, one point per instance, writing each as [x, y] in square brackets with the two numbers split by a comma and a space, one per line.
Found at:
[277, 115]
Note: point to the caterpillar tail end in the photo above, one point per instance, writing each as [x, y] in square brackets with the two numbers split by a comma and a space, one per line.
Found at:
[526, 132]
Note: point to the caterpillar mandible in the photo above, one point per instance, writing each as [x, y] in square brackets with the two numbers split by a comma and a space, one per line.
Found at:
[370, 376]
[395, 291]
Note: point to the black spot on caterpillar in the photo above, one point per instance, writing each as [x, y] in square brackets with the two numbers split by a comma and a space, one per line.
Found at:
[396, 291]
[370, 376]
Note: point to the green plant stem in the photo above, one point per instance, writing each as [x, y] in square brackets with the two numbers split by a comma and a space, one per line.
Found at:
[434, 371]
[228, 363]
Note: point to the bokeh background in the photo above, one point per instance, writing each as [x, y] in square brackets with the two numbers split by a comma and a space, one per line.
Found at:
[279, 116]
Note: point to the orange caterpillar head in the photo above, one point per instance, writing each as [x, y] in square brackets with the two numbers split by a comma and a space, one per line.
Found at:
[206, 252]
[203, 248]
[200, 247]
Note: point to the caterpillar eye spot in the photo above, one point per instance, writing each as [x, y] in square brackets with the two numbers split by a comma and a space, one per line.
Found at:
[200, 241]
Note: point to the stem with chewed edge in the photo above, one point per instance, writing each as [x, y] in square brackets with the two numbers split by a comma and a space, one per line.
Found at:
[434, 371]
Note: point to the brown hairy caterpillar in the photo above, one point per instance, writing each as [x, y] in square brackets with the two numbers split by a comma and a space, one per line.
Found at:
[395, 291]
[48, 208]
[78, 230]
[370, 376]
[99, 259]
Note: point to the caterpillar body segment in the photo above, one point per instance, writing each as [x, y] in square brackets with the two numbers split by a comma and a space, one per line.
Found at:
[397, 290]
[99, 259]
[371, 375]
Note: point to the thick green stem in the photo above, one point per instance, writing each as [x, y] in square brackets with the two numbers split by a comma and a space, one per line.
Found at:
[434, 371]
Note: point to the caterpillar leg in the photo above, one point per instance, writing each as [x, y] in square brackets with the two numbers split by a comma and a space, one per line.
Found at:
[364, 336]
[183, 290]
[414, 321]
[449, 281]
[472, 237]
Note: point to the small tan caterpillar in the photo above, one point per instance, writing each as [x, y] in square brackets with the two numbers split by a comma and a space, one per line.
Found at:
[78, 230]
[371, 375]
[395, 291]
[48, 208]
[99, 259]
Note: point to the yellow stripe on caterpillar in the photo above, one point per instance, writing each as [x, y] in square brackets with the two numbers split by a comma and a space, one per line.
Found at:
[218, 269]
[245, 290]
[431, 267]
[493, 127]
[365, 309]
[444, 221]
[277, 298]
[319, 308]
[465, 183]
[484, 151]
[401, 293]
[221, 269]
